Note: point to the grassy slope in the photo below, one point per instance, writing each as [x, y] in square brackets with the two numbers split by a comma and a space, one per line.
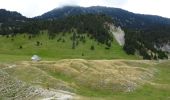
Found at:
[51, 49]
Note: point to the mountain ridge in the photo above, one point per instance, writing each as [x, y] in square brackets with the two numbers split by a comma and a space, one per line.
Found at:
[94, 7]
[115, 13]
[6, 15]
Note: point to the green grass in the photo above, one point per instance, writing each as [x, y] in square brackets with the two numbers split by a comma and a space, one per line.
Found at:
[52, 50]
[163, 75]
[146, 92]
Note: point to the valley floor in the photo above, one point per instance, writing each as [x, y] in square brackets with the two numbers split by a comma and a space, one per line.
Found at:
[85, 80]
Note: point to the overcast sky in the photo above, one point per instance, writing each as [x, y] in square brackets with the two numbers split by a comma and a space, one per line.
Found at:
[31, 8]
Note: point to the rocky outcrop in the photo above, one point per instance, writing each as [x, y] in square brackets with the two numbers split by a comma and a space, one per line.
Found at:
[118, 33]
[164, 47]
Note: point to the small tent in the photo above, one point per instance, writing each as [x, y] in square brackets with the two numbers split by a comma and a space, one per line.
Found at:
[35, 58]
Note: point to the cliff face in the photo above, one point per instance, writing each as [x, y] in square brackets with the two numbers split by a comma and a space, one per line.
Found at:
[166, 47]
[118, 34]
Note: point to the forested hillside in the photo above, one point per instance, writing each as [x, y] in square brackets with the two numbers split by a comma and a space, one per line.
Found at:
[10, 16]
[144, 34]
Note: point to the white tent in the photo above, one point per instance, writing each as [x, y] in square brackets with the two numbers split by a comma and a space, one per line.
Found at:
[35, 58]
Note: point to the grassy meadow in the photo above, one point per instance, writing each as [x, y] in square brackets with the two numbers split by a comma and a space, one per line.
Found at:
[21, 47]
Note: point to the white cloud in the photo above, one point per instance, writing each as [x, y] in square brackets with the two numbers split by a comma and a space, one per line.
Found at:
[154, 7]
[110, 3]
[32, 8]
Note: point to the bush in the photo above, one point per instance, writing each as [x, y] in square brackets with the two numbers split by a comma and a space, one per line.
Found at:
[63, 40]
[92, 47]
[37, 43]
[107, 48]
[20, 47]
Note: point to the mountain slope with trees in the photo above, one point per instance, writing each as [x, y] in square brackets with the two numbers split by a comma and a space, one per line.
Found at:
[144, 34]
[10, 16]
[122, 17]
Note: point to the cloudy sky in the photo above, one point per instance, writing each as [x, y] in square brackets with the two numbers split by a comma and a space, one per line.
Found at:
[31, 8]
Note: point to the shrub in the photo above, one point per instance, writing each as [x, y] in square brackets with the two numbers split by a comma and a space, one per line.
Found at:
[92, 47]
[20, 47]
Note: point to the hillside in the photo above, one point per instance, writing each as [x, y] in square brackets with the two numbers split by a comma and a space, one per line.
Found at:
[83, 36]
[122, 17]
[85, 80]
[144, 35]
[116, 13]
[150, 33]
[22, 47]
[10, 16]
